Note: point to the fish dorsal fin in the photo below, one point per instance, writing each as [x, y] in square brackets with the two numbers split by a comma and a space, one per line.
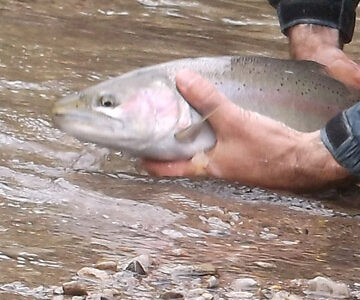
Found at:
[190, 133]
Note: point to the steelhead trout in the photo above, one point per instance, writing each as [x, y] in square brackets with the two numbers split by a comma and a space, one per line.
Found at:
[142, 113]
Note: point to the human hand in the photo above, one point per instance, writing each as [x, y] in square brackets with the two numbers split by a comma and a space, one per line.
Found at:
[252, 149]
[321, 44]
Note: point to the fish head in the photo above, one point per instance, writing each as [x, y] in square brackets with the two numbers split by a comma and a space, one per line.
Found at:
[123, 116]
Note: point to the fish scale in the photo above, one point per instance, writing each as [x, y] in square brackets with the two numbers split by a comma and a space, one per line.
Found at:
[297, 93]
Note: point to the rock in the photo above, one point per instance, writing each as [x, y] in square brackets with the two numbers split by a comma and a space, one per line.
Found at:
[194, 293]
[325, 287]
[172, 296]
[74, 288]
[58, 291]
[239, 295]
[136, 267]
[58, 297]
[207, 296]
[265, 265]
[93, 273]
[78, 298]
[99, 297]
[212, 282]
[194, 270]
[139, 265]
[243, 284]
[285, 296]
[106, 265]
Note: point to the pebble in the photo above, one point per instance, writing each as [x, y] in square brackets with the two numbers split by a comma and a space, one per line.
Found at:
[239, 295]
[58, 291]
[194, 270]
[207, 296]
[325, 287]
[74, 288]
[94, 273]
[243, 284]
[195, 293]
[212, 282]
[285, 296]
[265, 265]
[106, 265]
[172, 296]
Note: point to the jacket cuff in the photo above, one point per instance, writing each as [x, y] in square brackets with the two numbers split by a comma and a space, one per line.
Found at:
[338, 14]
[341, 136]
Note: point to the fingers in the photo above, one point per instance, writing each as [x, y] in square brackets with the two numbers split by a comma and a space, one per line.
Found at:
[346, 71]
[205, 98]
[178, 168]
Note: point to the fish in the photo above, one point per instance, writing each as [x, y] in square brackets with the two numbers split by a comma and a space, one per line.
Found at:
[142, 113]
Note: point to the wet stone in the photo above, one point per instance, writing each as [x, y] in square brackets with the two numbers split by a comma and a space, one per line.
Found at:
[239, 295]
[75, 288]
[99, 297]
[172, 296]
[195, 270]
[325, 287]
[136, 267]
[285, 296]
[265, 265]
[93, 273]
[195, 293]
[243, 284]
[107, 265]
[139, 265]
[212, 282]
[207, 296]
[58, 291]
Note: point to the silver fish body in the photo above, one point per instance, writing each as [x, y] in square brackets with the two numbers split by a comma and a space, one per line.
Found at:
[141, 112]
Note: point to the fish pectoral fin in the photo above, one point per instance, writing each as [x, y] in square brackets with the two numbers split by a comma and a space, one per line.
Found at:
[190, 133]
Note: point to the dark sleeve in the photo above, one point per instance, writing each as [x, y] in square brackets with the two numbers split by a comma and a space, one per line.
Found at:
[339, 14]
[341, 136]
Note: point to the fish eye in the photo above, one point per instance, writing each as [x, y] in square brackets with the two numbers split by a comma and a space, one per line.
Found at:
[107, 101]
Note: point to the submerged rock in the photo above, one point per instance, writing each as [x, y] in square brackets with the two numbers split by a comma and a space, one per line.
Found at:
[75, 288]
[172, 296]
[285, 296]
[139, 265]
[194, 270]
[325, 287]
[106, 265]
[93, 273]
[243, 284]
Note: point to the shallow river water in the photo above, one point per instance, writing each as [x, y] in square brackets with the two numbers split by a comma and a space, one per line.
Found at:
[65, 204]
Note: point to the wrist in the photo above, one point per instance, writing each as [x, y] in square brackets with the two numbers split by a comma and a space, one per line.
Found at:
[314, 163]
[307, 40]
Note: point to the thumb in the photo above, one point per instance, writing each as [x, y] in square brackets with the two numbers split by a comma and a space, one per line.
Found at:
[205, 98]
